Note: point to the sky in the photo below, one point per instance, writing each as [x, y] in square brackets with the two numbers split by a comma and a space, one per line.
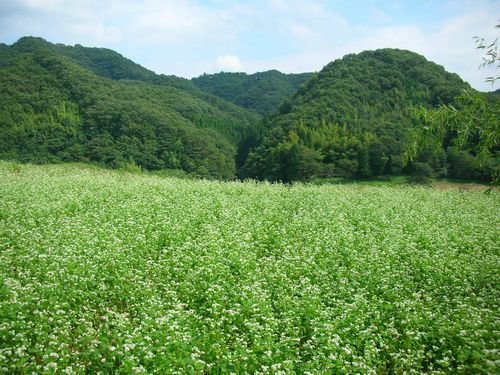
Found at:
[191, 37]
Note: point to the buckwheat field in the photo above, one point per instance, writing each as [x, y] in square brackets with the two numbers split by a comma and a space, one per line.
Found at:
[108, 272]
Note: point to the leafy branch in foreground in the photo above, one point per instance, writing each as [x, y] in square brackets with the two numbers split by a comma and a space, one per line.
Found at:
[476, 116]
[490, 56]
[474, 122]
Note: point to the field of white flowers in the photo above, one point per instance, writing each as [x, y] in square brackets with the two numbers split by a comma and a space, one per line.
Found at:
[106, 272]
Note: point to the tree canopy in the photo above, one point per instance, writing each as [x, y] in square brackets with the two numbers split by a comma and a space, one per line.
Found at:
[262, 92]
[353, 120]
[54, 108]
[473, 123]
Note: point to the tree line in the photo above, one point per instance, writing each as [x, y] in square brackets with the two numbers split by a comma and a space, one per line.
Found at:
[356, 118]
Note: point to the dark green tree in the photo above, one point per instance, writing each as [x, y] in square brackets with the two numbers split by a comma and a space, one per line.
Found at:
[473, 122]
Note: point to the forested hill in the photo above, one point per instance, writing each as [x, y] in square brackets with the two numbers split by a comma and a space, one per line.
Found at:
[353, 120]
[262, 92]
[62, 103]
[103, 62]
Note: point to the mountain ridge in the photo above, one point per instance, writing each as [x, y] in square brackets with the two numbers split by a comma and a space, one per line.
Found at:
[262, 92]
[155, 125]
[351, 119]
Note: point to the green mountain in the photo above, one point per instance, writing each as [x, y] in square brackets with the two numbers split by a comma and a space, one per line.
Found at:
[262, 92]
[62, 103]
[353, 120]
[103, 62]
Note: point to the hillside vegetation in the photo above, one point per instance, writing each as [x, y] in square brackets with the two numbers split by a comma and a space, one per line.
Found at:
[263, 92]
[353, 119]
[69, 106]
[118, 273]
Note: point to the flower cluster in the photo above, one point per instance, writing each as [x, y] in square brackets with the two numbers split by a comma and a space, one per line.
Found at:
[103, 272]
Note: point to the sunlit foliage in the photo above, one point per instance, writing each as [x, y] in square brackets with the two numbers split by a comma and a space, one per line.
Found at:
[119, 273]
[353, 119]
[61, 104]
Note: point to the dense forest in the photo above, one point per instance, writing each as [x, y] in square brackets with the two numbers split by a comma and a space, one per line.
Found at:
[353, 119]
[63, 103]
[262, 92]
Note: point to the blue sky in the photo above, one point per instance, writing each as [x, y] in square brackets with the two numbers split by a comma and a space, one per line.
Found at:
[191, 37]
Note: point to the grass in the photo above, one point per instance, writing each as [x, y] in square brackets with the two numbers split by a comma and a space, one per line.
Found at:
[113, 272]
[403, 180]
[375, 181]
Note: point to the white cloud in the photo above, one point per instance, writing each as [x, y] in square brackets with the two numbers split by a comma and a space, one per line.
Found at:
[307, 22]
[182, 37]
[96, 31]
[174, 22]
[451, 46]
[42, 5]
[301, 32]
[229, 63]
[153, 22]
[379, 16]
